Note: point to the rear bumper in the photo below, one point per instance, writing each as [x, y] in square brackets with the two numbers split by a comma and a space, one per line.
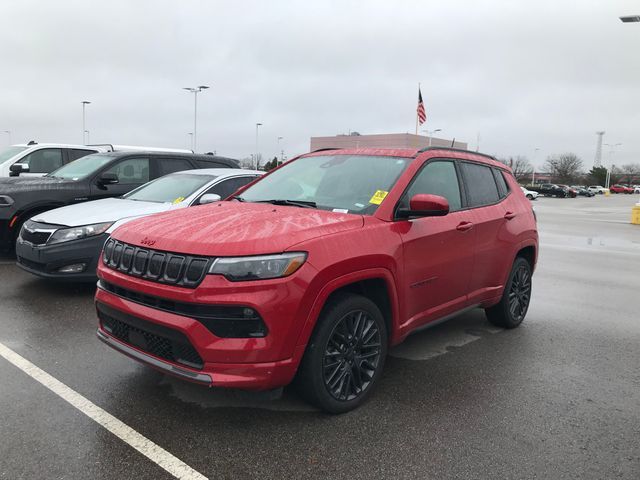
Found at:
[46, 260]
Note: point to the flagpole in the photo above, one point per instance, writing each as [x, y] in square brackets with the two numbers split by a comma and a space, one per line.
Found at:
[417, 119]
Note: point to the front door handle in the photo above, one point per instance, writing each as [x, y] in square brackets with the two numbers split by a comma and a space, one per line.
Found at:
[509, 215]
[464, 226]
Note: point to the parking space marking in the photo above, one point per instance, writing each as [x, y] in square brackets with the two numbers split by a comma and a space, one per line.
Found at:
[146, 447]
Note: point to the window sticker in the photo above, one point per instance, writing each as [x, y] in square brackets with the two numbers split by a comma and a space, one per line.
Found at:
[378, 197]
[178, 200]
[340, 210]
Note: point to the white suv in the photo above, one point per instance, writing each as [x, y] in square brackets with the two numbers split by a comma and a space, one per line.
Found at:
[37, 159]
[596, 189]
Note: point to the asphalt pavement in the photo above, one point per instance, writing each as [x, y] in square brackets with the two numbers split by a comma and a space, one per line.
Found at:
[558, 397]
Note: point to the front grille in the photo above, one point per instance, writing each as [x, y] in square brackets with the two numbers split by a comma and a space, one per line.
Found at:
[155, 265]
[37, 233]
[221, 320]
[163, 342]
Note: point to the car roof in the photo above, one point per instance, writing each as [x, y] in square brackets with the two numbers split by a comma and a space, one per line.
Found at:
[219, 172]
[194, 156]
[61, 145]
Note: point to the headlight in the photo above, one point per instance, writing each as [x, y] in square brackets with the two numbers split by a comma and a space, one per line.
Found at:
[76, 233]
[261, 267]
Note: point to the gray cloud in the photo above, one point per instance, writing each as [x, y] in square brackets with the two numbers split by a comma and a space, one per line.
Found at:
[524, 75]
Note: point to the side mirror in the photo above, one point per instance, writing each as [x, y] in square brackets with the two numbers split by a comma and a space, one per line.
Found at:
[209, 198]
[107, 179]
[17, 168]
[425, 205]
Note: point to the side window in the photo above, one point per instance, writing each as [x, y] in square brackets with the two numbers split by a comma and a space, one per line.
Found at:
[131, 171]
[438, 178]
[170, 165]
[227, 187]
[75, 153]
[480, 184]
[503, 187]
[210, 164]
[45, 160]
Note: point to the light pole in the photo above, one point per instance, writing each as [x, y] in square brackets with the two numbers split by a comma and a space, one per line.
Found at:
[257, 157]
[431, 132]
[195, 91]
[278, 149]
[533, 174]
[612, 150]
[630, 19]
[84, 105]
[8, 132]
[190, 141]
[88, 140]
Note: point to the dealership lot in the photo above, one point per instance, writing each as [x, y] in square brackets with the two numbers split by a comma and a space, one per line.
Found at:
[556, 398]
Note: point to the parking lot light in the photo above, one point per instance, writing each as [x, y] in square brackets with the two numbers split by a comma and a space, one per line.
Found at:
[630, 19]
[195, 91]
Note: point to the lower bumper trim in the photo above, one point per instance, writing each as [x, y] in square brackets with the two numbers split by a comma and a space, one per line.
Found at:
[200, 378]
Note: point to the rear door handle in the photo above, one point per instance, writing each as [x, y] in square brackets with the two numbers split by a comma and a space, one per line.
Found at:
[464, 226]
[509, 215]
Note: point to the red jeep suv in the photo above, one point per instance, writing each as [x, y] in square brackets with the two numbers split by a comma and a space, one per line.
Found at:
[312, 272]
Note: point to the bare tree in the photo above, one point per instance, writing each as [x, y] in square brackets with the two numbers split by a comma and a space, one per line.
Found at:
[629, 172]
[564, 168]
[520, 166]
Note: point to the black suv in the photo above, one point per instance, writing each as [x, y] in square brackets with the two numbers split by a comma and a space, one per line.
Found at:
[89, 178]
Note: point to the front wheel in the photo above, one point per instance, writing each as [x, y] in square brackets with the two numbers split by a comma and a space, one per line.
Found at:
[513, 306]
[345, 356]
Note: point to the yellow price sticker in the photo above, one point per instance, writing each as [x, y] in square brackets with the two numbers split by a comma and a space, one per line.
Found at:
[178, 200]
[378, 197]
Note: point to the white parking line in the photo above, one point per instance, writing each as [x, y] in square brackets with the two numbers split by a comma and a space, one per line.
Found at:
[153, 452]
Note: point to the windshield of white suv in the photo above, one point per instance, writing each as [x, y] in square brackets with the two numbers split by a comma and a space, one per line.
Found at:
[172, 188]
[342, 183]
[81, 168]
[7, 153]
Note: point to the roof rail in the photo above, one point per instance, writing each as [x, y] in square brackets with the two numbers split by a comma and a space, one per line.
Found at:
[108, 145]
[453, 149]
[325, 149]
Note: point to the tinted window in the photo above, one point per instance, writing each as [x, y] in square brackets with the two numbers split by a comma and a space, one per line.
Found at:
[170, 165]
[436, 178]
[227, 187]
[45, 160]
[75, 153]
[503, 188]
[208, 164]
[131, 171]
[480, 184]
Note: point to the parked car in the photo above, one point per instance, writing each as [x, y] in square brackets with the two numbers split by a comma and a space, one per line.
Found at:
[530, 194]
[583, 191]
[570, 192]
[597, 189]
[551, 190]
[92, 177]
[65, 243]
[316, 269]
[620, 189]
[37, 159]
[636, 189]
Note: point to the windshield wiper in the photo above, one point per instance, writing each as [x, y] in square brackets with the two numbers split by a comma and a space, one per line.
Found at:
[293, 203]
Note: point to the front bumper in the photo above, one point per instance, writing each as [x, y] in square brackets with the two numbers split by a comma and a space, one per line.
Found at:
[46, 260]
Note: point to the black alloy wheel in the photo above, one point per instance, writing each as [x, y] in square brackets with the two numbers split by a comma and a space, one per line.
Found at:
[512, 308]
[351, 355]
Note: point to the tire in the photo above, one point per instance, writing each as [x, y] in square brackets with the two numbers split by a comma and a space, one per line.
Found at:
[530, 197]
[513, 306]
[333, 374]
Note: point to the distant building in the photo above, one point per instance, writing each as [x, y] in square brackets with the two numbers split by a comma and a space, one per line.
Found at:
[384, 140]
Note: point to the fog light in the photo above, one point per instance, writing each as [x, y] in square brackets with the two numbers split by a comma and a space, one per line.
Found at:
[249, 312]
[73, 268]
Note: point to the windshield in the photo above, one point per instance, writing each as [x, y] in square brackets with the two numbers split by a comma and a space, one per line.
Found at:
[172, 188]
[81, 168]
[7, 153]
[344, 183]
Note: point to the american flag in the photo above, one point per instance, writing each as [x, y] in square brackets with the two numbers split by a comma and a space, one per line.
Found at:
[422, 115]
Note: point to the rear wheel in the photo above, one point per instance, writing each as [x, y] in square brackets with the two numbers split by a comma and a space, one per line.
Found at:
[529, 196]
[345, 355]
[513, 306]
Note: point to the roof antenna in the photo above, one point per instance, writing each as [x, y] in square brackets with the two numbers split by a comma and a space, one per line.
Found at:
[32, 142]
[453, 142]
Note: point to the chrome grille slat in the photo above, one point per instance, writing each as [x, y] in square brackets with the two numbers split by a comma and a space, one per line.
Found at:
[155, 265]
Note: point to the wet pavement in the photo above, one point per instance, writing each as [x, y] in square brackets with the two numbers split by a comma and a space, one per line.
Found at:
[558, 397]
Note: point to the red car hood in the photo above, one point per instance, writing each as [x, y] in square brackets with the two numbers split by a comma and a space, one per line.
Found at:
[234, 228]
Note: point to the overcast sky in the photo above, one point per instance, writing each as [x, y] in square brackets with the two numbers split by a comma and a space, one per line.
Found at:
[524, 75]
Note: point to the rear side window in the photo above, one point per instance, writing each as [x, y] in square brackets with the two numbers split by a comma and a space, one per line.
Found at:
[76, 153]
[170, 165]
[132, 171]
[212, 164]
[229, 186]
[436, 178]
[480, 184]
[503, 187]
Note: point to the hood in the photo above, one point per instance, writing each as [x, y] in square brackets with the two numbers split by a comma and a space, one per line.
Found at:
[100, 211]
[9, 185]
[234, 228]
